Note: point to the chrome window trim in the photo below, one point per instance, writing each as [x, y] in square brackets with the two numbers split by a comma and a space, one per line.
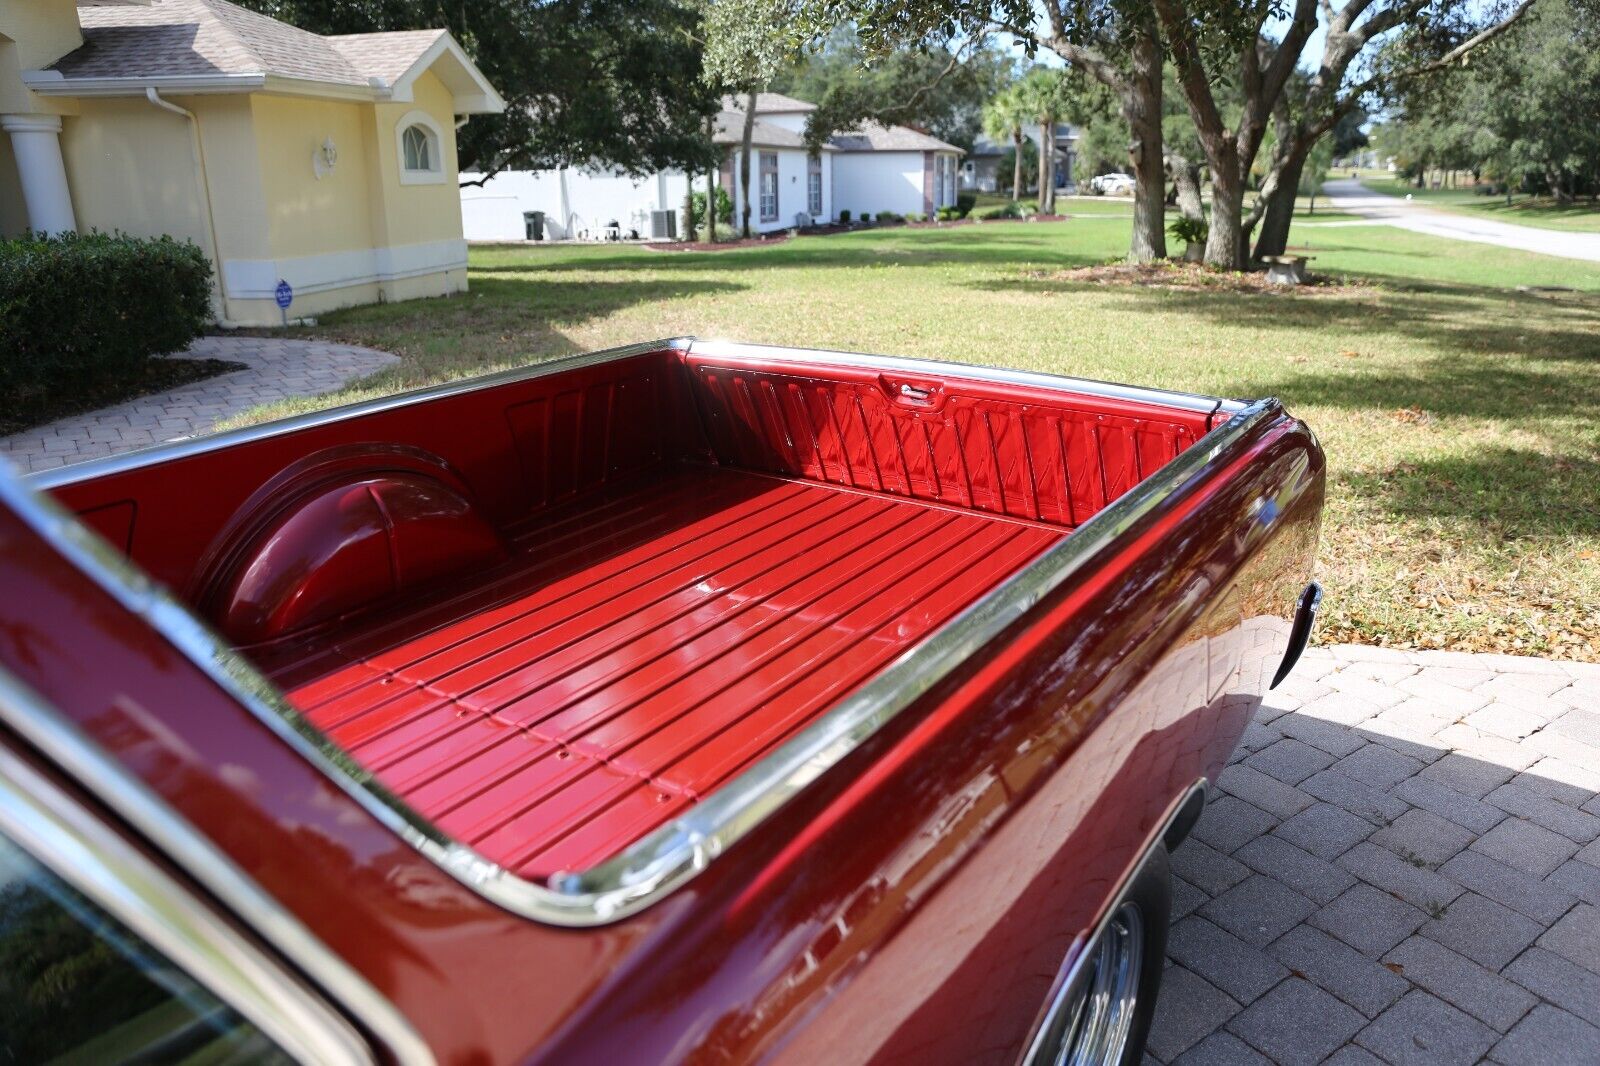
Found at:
[660, 862]
[61, 742]
[59, 834]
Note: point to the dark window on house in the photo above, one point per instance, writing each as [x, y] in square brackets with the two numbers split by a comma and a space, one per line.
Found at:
[814, 186]
[76, 984]
[769, 186]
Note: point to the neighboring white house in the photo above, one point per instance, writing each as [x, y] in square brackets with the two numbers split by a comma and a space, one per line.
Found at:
[570, 203]
[1066, 154]
[980, 171]
[892, 168]
[870, 170]
[789, 186]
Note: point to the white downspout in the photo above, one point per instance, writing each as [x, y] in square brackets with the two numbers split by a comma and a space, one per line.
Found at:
[205, 188]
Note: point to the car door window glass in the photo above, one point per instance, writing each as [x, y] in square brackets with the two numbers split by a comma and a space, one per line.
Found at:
[78, 987]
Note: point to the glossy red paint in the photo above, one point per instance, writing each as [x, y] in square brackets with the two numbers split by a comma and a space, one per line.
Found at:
[915, 902]
[646, 645]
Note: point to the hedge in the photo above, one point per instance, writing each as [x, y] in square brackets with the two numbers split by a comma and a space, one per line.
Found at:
[81, 307]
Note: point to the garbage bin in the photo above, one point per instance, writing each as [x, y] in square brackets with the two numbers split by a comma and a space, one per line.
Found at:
[533, 222]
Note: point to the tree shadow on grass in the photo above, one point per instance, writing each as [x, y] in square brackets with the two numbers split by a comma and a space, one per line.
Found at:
[1517, 492]
[865, 249]
[501, 302]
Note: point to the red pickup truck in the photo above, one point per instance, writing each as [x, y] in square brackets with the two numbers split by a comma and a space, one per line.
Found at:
[687, 701]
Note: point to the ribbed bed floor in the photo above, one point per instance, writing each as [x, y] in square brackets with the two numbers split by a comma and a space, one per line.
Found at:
[645, 646]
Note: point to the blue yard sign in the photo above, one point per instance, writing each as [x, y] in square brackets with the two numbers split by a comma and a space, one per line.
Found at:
[284, 294]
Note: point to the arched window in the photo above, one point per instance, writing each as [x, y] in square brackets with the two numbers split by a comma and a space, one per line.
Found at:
[419, 146]
[420, 153]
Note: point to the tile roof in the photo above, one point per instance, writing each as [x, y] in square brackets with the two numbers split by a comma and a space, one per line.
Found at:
[168, 38]
[767, 103]
[385, 55]
[875, 137]
[730, 131]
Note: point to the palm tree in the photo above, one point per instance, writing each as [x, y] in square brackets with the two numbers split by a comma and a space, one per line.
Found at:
[1045, 96]
[1003, 120]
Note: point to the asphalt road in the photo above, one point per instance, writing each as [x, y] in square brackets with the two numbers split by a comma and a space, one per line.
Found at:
[1351, 197]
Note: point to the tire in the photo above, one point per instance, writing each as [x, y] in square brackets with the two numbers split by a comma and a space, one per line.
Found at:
[1151, 892]
[1104, 1018]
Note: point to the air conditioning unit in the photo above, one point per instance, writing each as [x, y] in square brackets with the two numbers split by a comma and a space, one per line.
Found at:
[664, 225]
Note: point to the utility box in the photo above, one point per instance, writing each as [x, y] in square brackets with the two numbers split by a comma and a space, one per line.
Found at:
[664, 225]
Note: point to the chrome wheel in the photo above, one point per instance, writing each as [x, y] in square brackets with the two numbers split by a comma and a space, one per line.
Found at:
[1102, 1009]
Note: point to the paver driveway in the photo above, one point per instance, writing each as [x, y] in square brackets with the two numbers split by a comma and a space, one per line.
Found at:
[1401, 865]
[275, 369]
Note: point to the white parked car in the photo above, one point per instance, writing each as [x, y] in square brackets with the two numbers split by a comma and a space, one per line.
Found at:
[1112, 184]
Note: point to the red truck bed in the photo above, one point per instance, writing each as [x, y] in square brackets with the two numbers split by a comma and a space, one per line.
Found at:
[552, 615]
[643, 646]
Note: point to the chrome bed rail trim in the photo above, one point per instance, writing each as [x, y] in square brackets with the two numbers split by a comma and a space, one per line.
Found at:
[74, 844]
[663, 860]
[160, 453]
[734, 350]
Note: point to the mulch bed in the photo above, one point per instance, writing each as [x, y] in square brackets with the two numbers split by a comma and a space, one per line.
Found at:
[831, 228]
[28, 409]
[1178, 275]
[716, 246]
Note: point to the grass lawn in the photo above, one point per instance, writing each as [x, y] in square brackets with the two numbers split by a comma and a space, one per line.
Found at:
[1541, 212]
[1461, 417]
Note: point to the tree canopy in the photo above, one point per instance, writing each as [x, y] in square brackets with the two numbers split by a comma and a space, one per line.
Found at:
[611, 81]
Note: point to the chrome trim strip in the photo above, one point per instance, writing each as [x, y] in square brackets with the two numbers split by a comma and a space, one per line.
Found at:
[87, 854]
[160, 453]
[80, 758]
[658, 863]
[1061, 994]
[732, 350]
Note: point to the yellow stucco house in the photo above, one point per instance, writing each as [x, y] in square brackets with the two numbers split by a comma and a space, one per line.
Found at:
[326, 162]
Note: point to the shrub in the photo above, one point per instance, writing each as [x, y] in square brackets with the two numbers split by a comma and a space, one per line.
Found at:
[866, 216]
[1189, 230]
[75, 308]
[844, 216]
[946, 214]
[916, 216]
[724, 207]
[1011, 210]
[965, 202]
[890, 216]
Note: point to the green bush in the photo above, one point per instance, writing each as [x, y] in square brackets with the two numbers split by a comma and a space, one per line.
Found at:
[76, 308]
[916, 216]
[724, 207]
[844, 216]
[946, 214]
[965, 202]
[1190, 230]
[1010, 210]
[866, 216]
[890, 216]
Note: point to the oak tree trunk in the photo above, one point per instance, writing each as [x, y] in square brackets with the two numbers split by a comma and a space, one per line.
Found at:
[1186, 180]
[1225, 243]
[1273, 236]
[1141, 107]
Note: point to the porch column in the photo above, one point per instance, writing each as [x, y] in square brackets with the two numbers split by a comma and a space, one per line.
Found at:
[36, 143]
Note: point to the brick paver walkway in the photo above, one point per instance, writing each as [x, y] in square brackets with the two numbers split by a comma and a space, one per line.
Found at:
[1401, 865]
[277, 370]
